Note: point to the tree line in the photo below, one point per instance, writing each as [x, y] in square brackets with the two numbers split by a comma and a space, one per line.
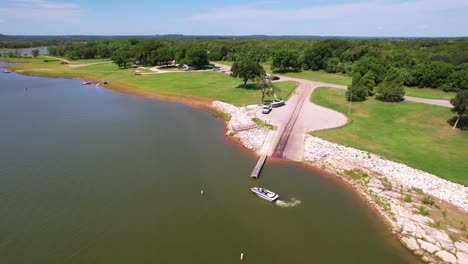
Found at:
[435, 63]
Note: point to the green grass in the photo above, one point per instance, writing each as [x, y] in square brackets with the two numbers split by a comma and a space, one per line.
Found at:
[411, 133]
[429, 93]
[194, 86]
[78, 61]
[321, 76]
[261, 123]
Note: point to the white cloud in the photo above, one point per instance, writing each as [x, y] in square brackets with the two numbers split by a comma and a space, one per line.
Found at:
[41, 10]
[401, 18]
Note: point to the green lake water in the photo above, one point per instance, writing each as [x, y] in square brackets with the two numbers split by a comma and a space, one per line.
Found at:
[88, 175]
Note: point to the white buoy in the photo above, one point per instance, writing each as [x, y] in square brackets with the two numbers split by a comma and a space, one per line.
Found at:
[242, 256]
[201, 192]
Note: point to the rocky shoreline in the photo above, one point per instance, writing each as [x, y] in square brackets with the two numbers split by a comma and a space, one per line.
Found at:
[414, 203]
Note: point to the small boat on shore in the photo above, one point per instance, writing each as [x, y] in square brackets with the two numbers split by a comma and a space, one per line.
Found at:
[86, 83]
[265, 194]
[6, 71]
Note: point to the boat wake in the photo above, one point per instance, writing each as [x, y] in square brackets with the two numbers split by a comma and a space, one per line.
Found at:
[291, 203]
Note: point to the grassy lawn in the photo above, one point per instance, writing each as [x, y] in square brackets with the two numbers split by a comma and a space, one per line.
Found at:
[77, 61]
[321, 76]
[411, 133]
[429, 93]
[229, 63]
[201, 86]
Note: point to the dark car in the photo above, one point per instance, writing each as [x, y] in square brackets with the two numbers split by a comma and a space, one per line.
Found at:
[278, 103]
[272, 77]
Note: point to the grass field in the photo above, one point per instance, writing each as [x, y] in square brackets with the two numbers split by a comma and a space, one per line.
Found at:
[202, 86]
[321, 76]
[429, 93]
[411, 133]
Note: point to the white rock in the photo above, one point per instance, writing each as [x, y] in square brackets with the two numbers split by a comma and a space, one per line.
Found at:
[462, 257]
[410, 243]
[317, 149]
[462, 247]
[447, 257]
[431, 248]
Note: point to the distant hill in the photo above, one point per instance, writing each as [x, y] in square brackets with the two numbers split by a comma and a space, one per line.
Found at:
[182, 36]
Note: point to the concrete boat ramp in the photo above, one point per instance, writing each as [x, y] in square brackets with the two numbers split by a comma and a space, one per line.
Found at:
[298, 117]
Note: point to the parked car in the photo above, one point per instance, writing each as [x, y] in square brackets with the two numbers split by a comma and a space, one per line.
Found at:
[278, 103]
[266, 109]
[272, 77]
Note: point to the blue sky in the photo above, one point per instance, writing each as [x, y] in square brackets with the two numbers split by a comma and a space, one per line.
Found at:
[432, 18]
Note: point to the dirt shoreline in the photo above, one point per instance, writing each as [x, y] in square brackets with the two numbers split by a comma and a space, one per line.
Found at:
[323, 172]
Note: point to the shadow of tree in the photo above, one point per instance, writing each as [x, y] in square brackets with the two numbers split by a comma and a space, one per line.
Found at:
[287, 70]
[250, 86]
[462, 124]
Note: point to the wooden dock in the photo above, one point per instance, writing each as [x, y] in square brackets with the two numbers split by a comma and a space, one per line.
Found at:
[259, 166]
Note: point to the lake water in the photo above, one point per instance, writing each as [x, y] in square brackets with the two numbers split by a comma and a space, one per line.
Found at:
[28, 51]
[88, 175]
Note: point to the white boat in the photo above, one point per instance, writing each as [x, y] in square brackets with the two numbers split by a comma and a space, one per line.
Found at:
[265, 194]
[6, 71]
[86, 83]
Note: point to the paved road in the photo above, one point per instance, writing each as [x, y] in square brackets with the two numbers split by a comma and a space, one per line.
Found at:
[300, 116]
[444, 103]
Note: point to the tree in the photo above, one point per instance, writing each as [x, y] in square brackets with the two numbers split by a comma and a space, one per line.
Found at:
[286, 60]
[429, 74]
[165, 55]
[317, 56]
[35, 53]
[331, 65]
[247, 67]
[391, 89]
[371, 64]
[122, 57]
[359, 89]
[458, 80]
[196, 57]
[460, 105]
[266, 87]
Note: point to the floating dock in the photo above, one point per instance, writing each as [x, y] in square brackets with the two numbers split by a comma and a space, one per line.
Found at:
[259, 166]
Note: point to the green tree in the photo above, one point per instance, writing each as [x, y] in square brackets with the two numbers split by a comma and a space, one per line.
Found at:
[391, 89]
[35, 53]
[266, 87]
[373, 65]
[429, 74]
[458, 80]
[122, 57]
[359, 89]
[460, 105]
[247, 67]
[286, 60]
[196, 57]
[331, 65]
[165, 55]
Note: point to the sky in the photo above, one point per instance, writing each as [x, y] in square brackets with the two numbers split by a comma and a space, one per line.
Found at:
[376, 18]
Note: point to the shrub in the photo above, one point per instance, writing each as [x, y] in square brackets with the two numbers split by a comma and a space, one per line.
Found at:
[436, 225]
[408, 198]
[423, 210]
[428, 200]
